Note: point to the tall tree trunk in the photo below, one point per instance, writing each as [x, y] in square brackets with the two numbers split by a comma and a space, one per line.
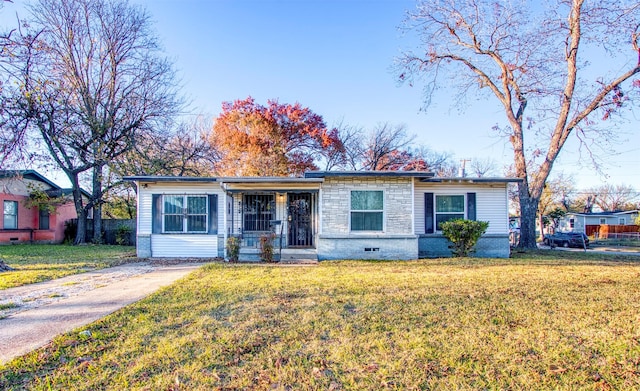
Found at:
[528, 212]
[81, 231]
[97, 207]
[97, 224]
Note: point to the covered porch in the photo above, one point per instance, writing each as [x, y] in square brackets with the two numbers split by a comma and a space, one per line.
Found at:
[284, 210]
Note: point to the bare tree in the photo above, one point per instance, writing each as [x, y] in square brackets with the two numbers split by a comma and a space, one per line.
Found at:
[387, 147]
[440, 163]
[87, 77]
[482, 167]
[538, 63]
[382, 148]
[614, 198]
[180, 152]
[348, 157]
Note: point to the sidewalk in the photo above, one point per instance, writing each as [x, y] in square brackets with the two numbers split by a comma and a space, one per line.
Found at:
[104, 291]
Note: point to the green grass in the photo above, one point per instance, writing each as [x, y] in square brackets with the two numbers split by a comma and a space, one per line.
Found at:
[36, 263]
[7, 306]
[543, 320]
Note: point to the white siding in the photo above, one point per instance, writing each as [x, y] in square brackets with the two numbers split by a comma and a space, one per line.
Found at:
[144, 211]
[491, 203]
[183, 245]
[145, 219]
[187, 245]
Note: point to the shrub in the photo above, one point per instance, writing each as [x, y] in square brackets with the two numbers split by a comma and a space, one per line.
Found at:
[233, 248]
[70, 230]
[463, 234]
[123, 235]
[266, 247]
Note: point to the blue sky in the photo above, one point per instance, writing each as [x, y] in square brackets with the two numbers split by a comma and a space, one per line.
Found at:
[335, 57]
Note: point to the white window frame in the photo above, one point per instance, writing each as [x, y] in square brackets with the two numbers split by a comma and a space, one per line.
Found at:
[572, 223]
[622, 221]
[435, 207]
[185, 215]
[351, 210]
[5, 214]
[603, 221]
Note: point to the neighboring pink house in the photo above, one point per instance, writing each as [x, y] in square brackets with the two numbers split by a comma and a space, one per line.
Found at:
[22, 224]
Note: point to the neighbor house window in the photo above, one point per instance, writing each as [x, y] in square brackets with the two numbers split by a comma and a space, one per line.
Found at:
[622, 221]
[43, 219]
[259, 210]
[367, 209]
[185, 213]
[572, 223]
[448, 207]
[603, 221]
[10, 218]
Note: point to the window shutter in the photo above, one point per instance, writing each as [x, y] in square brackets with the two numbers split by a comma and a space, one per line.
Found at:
[213, 214]
[156, 213]
[471, 206]
[428, 213]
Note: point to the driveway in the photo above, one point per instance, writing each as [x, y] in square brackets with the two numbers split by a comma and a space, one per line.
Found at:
[50, 308]
[632, 251]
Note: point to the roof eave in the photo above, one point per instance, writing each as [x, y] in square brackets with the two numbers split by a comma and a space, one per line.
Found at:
[410, 174]
[269, 180]
[153, 178]
[29, 174]
[471, 180]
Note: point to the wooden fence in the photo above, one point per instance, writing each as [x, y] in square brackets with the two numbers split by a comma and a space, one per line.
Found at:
[114, 231]
[603, 231]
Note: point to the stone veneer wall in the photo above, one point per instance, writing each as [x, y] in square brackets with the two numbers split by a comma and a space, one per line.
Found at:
[489, 245]
[221, 245]
[388, 247]
[397, 241]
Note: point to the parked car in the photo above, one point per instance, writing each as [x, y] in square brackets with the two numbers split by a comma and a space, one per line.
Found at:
[567, 239]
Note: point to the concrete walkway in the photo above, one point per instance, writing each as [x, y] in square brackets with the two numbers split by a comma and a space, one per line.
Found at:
[30, 329]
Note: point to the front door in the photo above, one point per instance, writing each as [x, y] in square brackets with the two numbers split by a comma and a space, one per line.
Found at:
[300, 220]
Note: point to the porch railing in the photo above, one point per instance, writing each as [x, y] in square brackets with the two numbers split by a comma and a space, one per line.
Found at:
[252, 239]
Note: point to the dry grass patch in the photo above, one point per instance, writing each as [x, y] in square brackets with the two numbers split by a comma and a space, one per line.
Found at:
[42, 262]
[528, 323]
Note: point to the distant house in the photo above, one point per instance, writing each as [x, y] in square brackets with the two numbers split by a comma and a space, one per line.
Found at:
[21, 223]
[580, 222]
[324, 215]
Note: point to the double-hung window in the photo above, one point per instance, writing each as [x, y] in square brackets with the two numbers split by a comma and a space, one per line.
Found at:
[10, 215]
[440, 208]
[367, 210]
[185, 213]
[448, 207]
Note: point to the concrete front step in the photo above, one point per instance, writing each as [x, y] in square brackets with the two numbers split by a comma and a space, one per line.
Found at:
[298, 261]
[302, 256]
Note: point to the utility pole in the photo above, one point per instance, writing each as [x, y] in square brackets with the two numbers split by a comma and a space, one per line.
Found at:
[462, 172]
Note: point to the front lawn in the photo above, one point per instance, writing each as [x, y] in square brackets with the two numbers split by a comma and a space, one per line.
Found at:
[42, 262]
[535, 322]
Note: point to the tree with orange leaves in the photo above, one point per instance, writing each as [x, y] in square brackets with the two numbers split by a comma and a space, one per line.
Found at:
[272, 140]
